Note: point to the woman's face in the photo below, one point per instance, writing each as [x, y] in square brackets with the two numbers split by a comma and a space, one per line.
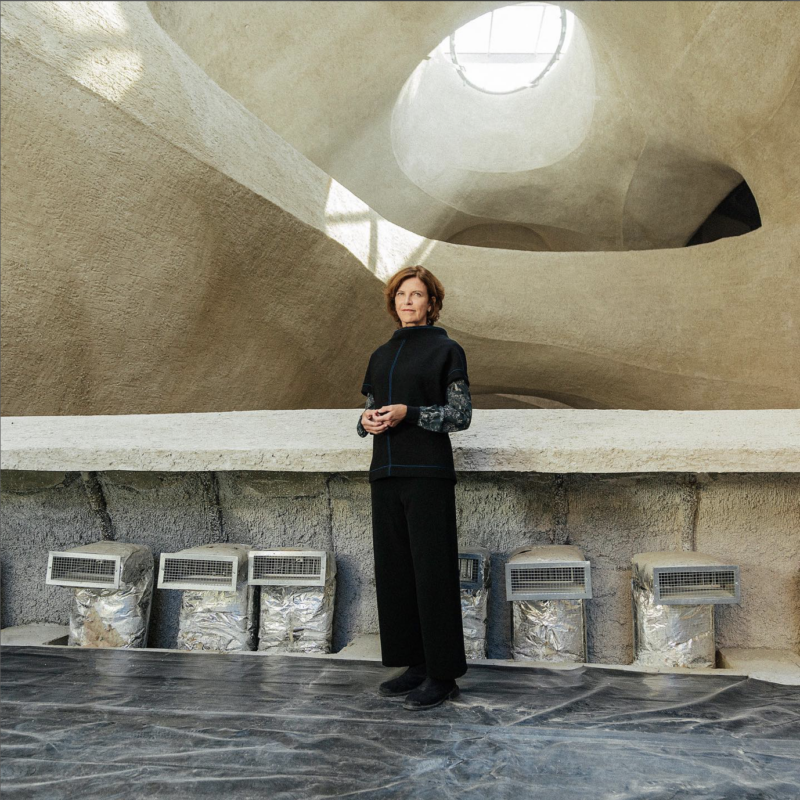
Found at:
[412, 302]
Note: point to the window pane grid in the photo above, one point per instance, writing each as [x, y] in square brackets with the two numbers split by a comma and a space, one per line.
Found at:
[511, 48]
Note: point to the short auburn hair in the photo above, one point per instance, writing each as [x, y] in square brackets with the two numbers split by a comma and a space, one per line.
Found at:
[432, 283]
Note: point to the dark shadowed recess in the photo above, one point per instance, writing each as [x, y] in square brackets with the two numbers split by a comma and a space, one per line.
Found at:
[737, 214]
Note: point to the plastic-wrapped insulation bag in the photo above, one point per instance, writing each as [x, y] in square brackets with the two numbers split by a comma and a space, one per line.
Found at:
[673, 596]
[298, 589]
[547, 586]
[218, 605]
[112, 585]
[473, 568]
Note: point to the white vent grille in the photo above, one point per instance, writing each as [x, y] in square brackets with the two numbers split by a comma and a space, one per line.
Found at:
[472, 569]
[469, 568]
[83, 569]
[199, 573]
[696, 585]
[287, 568]
[570, 580]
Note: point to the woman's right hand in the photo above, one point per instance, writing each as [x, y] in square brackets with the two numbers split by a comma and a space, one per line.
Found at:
[371, 423]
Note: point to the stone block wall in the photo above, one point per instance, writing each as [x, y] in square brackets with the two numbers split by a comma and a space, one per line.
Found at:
[750, 519]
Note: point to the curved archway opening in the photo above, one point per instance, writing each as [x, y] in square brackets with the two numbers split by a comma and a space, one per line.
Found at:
[736, 215]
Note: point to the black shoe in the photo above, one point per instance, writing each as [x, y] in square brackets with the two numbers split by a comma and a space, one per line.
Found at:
[404, 683]
[430, 694]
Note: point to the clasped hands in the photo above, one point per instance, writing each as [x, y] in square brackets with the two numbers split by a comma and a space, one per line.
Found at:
[377, 420]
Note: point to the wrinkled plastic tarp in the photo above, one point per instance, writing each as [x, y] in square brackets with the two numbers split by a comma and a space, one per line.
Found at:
[138, 724]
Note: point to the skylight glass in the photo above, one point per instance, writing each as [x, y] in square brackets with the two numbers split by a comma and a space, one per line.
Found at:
[511, 48]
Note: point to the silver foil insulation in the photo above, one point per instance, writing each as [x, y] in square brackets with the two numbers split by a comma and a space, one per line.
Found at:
[222, 621]
[474, 604]
[474, 599]
[297, 619]
[668, 635]
[114, 617]
[548, 630]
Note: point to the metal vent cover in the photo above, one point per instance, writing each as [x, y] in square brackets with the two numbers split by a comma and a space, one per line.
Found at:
[289, 567]
[696, 585]
[90, 570]
[472, 569]
[555, 580]
[198, 572]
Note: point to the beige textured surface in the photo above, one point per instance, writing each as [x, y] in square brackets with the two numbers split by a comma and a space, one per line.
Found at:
[672, 129]
[779, 666]
[35, 634]
[544, 440]
[164, 250]
[545, 553]
[766, 546]
[646, 562]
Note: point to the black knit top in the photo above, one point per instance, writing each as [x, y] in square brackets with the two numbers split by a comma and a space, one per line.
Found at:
[422, 368]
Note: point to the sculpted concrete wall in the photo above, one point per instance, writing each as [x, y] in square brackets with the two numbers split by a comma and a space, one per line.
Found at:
[165, 250]
[746, 518]
[680, 97]
[162, 248]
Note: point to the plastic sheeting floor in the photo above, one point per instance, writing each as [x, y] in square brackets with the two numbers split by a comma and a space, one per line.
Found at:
[146, 724]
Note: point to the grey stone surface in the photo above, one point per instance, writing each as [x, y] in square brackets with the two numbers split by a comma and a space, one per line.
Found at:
[611, 518]
[518, 440]
[167, 511]
[41, 511]
[501, 514]
[755, 524]
[750, 519]
[35, 634]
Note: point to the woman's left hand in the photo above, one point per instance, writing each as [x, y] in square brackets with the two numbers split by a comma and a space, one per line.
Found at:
[392, 415]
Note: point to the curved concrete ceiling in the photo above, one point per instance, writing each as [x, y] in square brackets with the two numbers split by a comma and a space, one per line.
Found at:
[164, 250]
[679, 87]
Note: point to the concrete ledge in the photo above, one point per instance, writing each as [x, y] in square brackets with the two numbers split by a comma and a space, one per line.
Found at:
[778, 666]
[35, 634]
[325, 440]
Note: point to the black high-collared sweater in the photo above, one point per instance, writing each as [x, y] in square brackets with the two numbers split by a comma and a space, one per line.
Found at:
[414, 368]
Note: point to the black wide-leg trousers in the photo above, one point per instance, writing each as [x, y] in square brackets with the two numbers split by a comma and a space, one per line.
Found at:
[416, 574]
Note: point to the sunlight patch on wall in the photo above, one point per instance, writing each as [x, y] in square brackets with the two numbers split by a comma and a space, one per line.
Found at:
[380, 245]
[103, 18]
[110, 72]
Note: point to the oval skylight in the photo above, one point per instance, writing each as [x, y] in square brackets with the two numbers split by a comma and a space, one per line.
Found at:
[511, 48]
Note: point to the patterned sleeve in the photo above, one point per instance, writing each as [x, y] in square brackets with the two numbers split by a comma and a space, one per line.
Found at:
[370, 404]
[455, 416]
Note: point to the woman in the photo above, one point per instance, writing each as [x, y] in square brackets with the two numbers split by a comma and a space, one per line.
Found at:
[417, 392]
